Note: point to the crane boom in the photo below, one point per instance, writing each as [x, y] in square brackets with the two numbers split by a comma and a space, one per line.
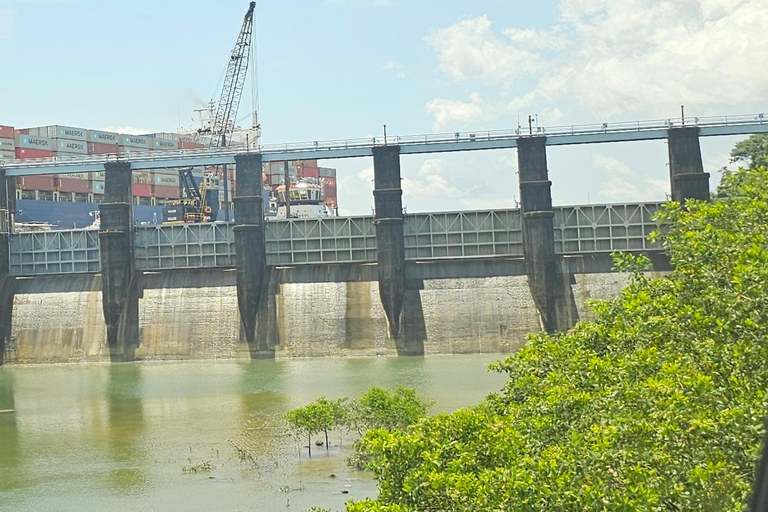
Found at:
[234, 81]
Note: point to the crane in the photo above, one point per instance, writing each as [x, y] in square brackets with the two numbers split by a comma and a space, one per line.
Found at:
[201, 205]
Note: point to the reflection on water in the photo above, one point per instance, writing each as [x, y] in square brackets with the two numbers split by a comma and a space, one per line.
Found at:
[118, 438]
[126, 428]
[10, 452]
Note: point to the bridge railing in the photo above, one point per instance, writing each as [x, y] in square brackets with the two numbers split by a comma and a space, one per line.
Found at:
[54, 252]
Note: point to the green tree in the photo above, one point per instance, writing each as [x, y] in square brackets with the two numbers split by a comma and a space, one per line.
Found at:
[657, 404]
[395, 410]
[322, 415]
[752, 152]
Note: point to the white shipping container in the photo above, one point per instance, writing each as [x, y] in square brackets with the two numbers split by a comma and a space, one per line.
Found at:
[166, 180]
[34, 142]
[7, 155]
[186, 138]
[59, 132]
[164, 145]
[75, 176]
[7, 145]
[98, 175]
[103, 137]
[72, 147]
[165, 135]
[97, 187]
[135, 141]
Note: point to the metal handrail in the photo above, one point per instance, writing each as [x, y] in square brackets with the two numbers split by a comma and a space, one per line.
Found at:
[406, 140]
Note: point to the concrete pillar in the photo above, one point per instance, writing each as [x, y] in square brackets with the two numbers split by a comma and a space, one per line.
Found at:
[250, 247]
[549, 286]
[390, 248]
[6, 281]
[119, 283]
[686, 171]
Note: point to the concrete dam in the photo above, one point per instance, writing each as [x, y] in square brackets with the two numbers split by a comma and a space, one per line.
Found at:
[387, 284]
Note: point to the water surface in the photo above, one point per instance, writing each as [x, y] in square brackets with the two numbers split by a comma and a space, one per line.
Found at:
[116, 438]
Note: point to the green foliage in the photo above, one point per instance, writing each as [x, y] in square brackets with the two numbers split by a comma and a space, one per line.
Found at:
[752, 151]
[657, 404]
[395, 410]
[322, 415]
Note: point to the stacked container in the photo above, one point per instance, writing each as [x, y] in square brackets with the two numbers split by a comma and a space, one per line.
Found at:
[166, 184]
[31, 146]
[7, 143]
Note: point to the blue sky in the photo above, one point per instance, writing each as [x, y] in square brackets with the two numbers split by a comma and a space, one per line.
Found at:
[341, 68]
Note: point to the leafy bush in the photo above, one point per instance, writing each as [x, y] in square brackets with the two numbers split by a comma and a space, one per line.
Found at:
[657, 404]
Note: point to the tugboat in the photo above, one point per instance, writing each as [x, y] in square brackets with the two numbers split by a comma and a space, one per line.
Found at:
[305, 200]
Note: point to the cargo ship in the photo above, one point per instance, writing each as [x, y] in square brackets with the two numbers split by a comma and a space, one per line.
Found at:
[66, 201]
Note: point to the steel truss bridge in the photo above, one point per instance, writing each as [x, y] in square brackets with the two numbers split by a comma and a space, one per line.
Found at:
[428, 236]
[414, 144]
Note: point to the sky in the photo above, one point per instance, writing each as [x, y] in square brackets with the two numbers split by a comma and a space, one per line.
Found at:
[336, 69]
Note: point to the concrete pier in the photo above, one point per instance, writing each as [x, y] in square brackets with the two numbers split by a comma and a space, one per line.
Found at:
[390, 248]
[686, 170]
[6, 280]
[548, 280]
[120, 294]
[252, 277]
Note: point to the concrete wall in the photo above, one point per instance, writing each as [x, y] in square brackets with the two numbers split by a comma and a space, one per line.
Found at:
[194, 315]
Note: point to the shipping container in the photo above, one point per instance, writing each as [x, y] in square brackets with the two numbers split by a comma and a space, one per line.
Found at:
[97, 187]
[76, 176]
[21, 131]
[164, 135]
[186, 138]
[98, 176]
[327, 172]
[37, 182]
[73, 185]
[190, 145]
[166, 192]
[164, 179]
[275, 179]
[142, 190]
[141, 177]
[32, 153]
[59, 132]
[308, 172]
[103, 137]
[135, 141]
[98, 148]
[164, 145]
[328, 182]
[73, 147]
[6, 132]
[7, 144]
[34, 142]
[7, 155]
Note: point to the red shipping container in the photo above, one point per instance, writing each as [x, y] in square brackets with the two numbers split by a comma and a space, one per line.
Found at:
[328, 182]
[33, 153]
[167, 192]
[142, 190]
[309, 172]
[190, 145]
[98, 148]
[23, 131]
[329, 192]
[73, 185]
[38, 182]
[6, 132]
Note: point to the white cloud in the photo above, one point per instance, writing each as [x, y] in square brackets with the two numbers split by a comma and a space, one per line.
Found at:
[612, 59]
[470, 50]
[622, 183]
[431, 182]
[456, 114]
[396, 68]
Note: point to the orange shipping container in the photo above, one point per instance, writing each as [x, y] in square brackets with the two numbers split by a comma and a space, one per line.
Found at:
[190, 145]
[6, 132]
[98, 148]
[38, 182]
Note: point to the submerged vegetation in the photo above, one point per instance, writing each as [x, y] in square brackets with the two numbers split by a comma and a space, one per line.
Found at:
[657, 404]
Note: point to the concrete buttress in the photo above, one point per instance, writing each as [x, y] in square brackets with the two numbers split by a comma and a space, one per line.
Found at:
[390, 246]
[686, 170]
[6, 280]
[250, 246]
[548, 279]
[119, 283]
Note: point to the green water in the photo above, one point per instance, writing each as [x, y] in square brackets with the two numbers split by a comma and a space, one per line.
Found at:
[115, 438]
